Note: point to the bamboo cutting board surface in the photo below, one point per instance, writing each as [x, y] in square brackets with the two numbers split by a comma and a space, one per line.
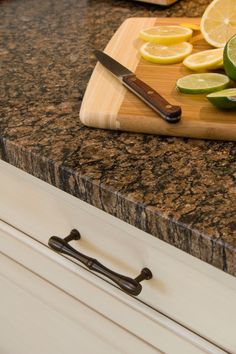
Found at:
[159, 2]
[108, 104]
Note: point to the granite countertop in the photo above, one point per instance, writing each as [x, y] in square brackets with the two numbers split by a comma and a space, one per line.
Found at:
[180, 190]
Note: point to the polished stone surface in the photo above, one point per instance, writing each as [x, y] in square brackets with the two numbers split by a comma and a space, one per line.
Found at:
[180, 190]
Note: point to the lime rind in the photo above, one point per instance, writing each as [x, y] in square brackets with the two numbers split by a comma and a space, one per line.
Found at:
[229, 58]
[225, 99]
[231, 49]
[202, 83]
[227, 92]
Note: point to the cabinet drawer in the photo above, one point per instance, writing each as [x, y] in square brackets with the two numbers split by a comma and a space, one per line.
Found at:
[146, 324]
[36, 317]
[196, 295]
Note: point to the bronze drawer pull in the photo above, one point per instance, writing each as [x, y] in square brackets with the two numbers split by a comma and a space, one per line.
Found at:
[129, 285]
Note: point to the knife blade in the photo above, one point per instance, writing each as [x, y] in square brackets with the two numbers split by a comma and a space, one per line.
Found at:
[147, 94]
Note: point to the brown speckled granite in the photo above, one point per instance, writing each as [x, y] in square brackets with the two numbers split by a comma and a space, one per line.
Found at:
[180, 190]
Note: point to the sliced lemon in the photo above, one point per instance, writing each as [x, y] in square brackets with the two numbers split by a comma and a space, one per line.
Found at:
[202, 83]
[218, 22]
[220, 65]
[225, 99]
[205, 60]
[165, 54]
[166, 34]
[192, 26]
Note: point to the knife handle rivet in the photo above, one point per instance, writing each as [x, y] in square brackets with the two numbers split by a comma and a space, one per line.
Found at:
[150, 92]
[133, 79]
[168, 106]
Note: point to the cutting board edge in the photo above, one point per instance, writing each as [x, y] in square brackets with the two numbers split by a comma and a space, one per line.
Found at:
[107, 120]
[158, 126]
[159, 2]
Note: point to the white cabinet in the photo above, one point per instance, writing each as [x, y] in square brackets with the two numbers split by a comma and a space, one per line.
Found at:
[187, 307]
[36, 317]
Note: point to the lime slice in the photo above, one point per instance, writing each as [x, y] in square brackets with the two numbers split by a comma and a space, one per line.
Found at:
[165, 54]
[202, 83]
[204, 60]
[166, 34]
[225, 99]
[218, 23]
[230, 58]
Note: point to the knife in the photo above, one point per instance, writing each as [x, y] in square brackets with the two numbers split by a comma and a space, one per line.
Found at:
[147, 94]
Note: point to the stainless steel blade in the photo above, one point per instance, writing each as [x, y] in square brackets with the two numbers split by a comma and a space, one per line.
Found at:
[112, 65]
[142, 90]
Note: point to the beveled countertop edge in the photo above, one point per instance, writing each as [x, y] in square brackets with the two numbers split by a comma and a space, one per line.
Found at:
[213, 251]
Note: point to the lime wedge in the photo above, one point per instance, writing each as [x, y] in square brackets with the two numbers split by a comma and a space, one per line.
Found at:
[202, 83]
[225, 99]
[230, 58]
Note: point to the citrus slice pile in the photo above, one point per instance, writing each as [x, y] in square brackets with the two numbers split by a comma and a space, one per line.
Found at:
[169, 45]
[223, 99]
[202, 83]
[230, 58]
[218, 23]
[166, 34]
[205, 60]
[165, 54]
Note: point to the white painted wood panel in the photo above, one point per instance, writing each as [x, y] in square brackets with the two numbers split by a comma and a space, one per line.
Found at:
[134, 316]
[37, 318]
[186, 289]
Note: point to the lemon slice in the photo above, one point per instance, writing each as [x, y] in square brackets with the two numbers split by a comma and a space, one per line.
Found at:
[166, 34]
[218, 23]
[202, 83]
[225, 99]
[192, 26]
[220, 65]
[230, 58]
[165, 54]
[205, 60]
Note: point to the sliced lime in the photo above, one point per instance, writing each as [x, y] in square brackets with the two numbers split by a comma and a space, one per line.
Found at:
[225, 99]
[230, 58]
[202, 83]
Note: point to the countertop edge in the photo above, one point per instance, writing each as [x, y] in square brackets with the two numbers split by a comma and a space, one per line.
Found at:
[212, 251]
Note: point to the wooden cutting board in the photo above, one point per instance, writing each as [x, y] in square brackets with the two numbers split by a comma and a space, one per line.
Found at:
[159, 2]
[108, 104]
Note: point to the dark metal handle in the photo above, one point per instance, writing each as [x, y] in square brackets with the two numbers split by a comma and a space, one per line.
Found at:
[170, 113]
[129, 285]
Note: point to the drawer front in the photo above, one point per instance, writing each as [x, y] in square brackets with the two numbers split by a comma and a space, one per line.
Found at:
[187, 290]
[36, 317]
[146, 324]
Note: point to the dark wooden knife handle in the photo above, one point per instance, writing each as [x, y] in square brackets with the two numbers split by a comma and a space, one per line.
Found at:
[167, 111]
